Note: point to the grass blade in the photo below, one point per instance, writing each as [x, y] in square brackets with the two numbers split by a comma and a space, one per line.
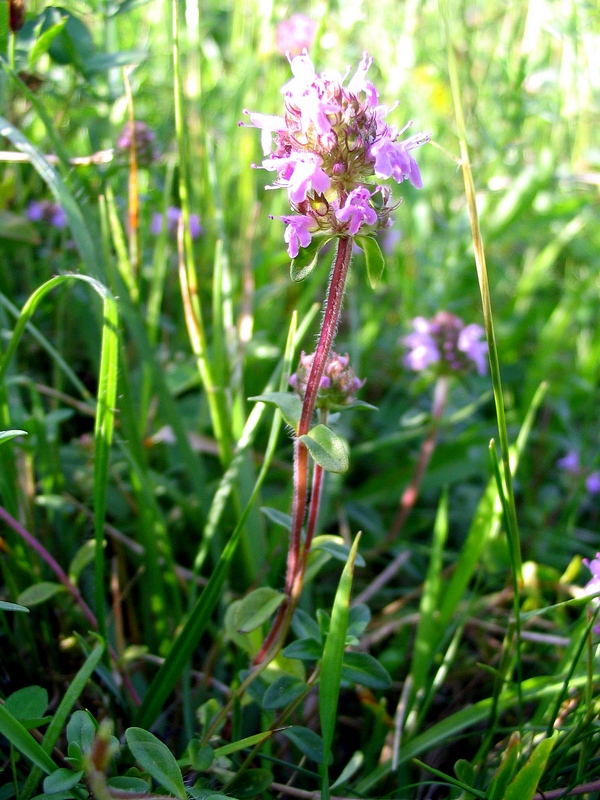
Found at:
[331, 667]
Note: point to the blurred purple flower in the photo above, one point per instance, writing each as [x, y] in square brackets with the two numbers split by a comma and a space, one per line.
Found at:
[423, 348]
[47, 212]
[144, 138]
[173, 215]
[472, 345]
[447, 343]
[592, 482]
[570, 462]
[295, 34]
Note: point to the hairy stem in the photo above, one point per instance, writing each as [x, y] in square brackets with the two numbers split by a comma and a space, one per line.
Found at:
[296, 561]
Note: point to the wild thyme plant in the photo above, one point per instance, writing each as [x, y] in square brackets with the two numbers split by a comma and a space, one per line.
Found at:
[329, 150]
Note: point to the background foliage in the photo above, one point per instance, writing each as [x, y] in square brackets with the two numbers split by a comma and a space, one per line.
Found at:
[145, 495]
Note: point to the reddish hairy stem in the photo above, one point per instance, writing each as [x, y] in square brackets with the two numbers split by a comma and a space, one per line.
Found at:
[296, 560]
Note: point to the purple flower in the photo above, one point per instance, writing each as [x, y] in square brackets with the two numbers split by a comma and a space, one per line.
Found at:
[423, 349]
[144, 138]
[447, 343]
[330, 145]
[173, 215]
[593, 585]
[570, 462]
[357, 209]
[471, 344]
[48, 212]
[297, 233]
[300, 173]
[393, 159]
[592, 482]
[295, 34]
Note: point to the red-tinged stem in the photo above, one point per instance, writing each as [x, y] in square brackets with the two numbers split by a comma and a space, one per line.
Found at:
[410, 494]
[333, 307]
[296, 561]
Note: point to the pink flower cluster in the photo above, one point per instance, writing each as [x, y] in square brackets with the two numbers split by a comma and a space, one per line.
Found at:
[326, 150]
[446, 344]
[338, 385]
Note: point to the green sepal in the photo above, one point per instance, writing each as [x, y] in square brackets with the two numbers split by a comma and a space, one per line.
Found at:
[373, 256]
[327, 449]
[306, 260]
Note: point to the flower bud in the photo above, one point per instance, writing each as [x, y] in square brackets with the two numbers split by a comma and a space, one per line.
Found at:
[338, 385]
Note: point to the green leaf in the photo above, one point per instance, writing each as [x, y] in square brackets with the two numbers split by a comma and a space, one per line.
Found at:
[304, 650]
[362, 668]
[201, 756]
[355, 763]
[61, 780]
[373, 256]
[526, 781]
[102, 62]
[81, 729]
[156, 758]
[256, 608]
[283, 691]
[506, 770]
[56, 726]
[358, 618]
[304, 626]
[331, 667]
[308, 742]
[334, 545]
[20, 738]
[289, 404]
[250, 783]
[27, 703]
[43, 42]
[83, 557]
[39, 593]
[129, 783]
[4, 606]
[306, 260]
[278, 517]
[327, 449]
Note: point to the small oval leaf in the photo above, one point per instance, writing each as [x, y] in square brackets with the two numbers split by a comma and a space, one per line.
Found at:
[39, 593]
[129, 783]
[364, 669]
[256, 608]
[61, 780]
[289, 404]
[250, 783]
[327, 449]
[284, 690]
[27, 703]
[306, 260]
[156, 758]
[374, 258]
[304, 650]
[308, 742]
